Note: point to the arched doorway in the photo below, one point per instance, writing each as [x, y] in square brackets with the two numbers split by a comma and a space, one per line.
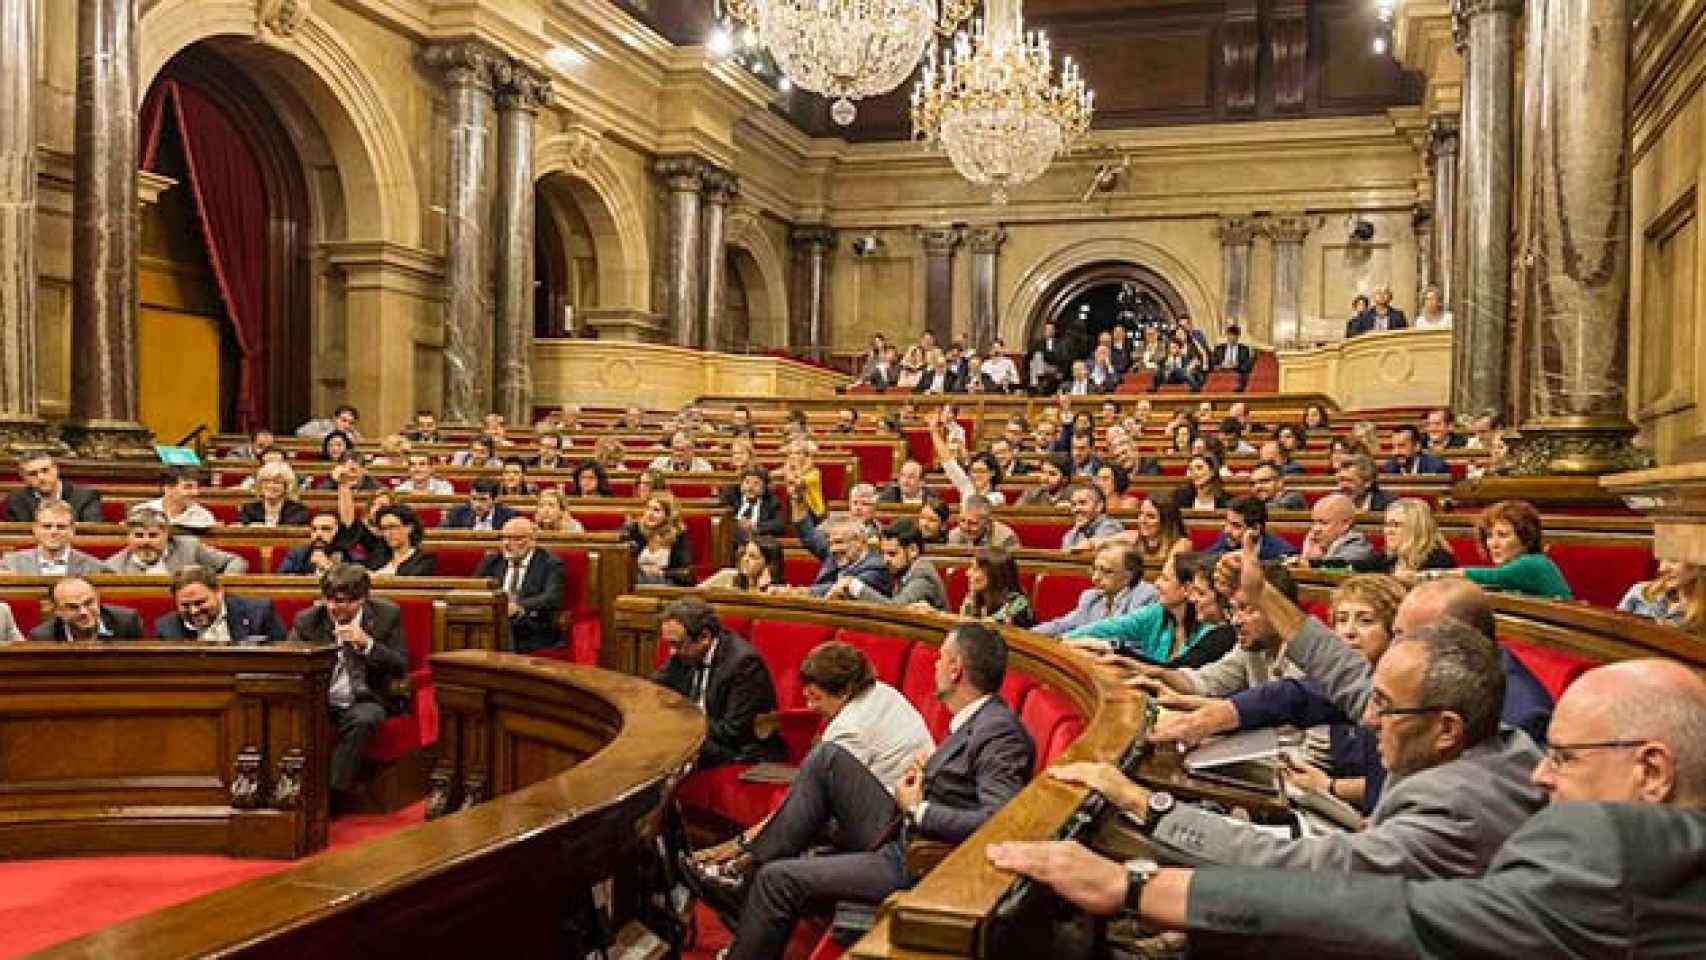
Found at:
[227, 245]
[1096, 296]
[565, 259]
[734, 333]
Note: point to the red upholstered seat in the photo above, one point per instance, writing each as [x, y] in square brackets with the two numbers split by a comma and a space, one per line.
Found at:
[1041, 534]
[1057, 593]
[783, 644]
[1555, 669]
[954, 578]
[1015, 688]
[800, 569]
[887, 654]
[1602, 573]
[1044, 713]
[720, 790]
[919, 686]
[459, 560]
[1203, 537]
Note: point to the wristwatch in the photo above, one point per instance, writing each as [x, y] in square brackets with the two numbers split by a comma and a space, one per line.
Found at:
[1138, 873]
[1160, 804]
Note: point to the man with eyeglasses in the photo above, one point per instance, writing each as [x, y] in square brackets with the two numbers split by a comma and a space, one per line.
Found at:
[532, 579]
[1614, 866]
[1116, 588]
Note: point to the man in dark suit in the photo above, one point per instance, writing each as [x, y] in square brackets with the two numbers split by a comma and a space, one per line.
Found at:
[372, 657]
[206, 612]
[1357, 480]
[985, 760]
[1381, 316]
[533, 580]
[79, 614]
[1234, 356]
[908, 485]
[322, 552]
[1408, 455]
[846, 551]
[940, 378]
[481, 512]
[41, 482]
[1047, 362]
[1615, 866]
[724, 676]
[757, 512]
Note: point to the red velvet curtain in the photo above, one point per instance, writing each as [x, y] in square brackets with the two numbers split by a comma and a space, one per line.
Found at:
[231, 207]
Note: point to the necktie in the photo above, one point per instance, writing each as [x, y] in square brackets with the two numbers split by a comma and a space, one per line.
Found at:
[699, 677]
[750, 510]
[512, 579]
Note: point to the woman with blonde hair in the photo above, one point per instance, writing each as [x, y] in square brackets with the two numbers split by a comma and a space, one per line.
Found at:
[805, 480]
[393, 451]
[275, 506]
[1413, 540]
[608, 451]
[550, 514]
[1676, 596]
[662, 551]
[911, 368]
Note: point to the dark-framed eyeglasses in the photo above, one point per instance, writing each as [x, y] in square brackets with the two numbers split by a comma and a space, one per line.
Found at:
[1383, 708]
[1561, 755]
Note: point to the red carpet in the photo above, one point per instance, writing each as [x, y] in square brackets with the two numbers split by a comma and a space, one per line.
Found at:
[44, 902]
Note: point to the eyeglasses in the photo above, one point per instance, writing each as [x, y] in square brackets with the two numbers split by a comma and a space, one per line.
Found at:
[1383, 708]
[1561, 755]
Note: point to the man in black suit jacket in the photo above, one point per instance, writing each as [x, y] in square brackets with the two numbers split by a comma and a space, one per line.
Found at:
[724, 676]
[41, 482]
[79, 614]
[757, 511]
[984, 761]
[481, 512]
[1234, 356]
[323, 551]
[372, 656]
[1382, 316]
[1409, 455]
[533, 579]
[1047, 362]
[940, 379]
[206, 612]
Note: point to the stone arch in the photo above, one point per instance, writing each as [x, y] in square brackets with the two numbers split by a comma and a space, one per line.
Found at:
[610, 211]
[762, 274]
[1040, 279]
[380, 197]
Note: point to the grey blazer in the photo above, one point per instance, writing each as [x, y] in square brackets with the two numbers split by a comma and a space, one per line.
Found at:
[183, 551]
[921, 582]
[1577, 880]
[26, 562]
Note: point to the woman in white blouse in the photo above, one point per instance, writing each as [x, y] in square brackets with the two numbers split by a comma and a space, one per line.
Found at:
[1433, 315]
[982, 475]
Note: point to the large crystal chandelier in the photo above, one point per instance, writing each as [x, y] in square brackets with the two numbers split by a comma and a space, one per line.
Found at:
[848, 49]
[993, 103]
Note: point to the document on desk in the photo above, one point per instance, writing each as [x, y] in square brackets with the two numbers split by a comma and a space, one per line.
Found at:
[1234, 748]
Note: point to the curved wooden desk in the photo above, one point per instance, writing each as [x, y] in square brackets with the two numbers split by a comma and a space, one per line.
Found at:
[585, 759]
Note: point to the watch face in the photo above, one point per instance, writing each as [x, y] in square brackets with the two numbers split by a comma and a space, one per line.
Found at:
[1144, 866]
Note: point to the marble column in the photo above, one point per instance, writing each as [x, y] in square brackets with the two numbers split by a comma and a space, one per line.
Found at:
[105, 224]
[684, 179]
[985, 243]
[1287, 233]
[1571, 390]
[469, 70]
[1236, 234]
[810, 334]
[939, 244]
[720, 189]
[1422, 229]
[518, 101]
[20, 426]
[1481, 301]
[1442, 161]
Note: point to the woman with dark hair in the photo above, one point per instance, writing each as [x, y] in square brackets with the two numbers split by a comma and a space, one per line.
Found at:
[1292, 439]
[395, 551]
[1170, 632]
[758, 567]
[334, 445]
[1206, 490]
[992, 589]
[983, 475]
[1159, 533]
[1181, 438]
[1056, 488]
[933, 520]
[1511, 536]
[1315, 419]
[648, 482]
[591, 480]
[1113, 480]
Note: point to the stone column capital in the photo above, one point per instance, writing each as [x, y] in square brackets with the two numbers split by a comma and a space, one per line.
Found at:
[719, 186]
[1236, 230]
[1463, 11]
[520, 87]
[1443, 133]
[812, 239]
[467, 63]
[681, 174]
[940, 240]
[986, 239]
[1288, 227]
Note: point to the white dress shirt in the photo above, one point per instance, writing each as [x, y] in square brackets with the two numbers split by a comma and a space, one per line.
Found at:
[882, 730]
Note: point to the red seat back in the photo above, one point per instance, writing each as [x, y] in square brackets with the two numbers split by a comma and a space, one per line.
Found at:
[1044, 714]
[887, 654]
[1602, 573]
[1555, 669]
[783, 645]
[1041, 534]
[1057, 593]
[919, 685]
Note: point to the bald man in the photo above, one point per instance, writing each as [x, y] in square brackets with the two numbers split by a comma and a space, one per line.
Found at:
[533, 581]
[79, 614]
[1333, 542]
[1615, 866]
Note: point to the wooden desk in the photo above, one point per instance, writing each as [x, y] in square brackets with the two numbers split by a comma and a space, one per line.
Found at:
[132, 746]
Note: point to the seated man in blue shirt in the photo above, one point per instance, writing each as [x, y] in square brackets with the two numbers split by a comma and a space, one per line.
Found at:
[1250, 513]
[1116, 588]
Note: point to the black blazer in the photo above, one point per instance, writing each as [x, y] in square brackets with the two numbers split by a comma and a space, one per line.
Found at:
[769, 523]
[246, 618]
[1243, 359]
[1364, 322]
[541, 594]
[737, 690]
[680, 569]
[371, 551]
[294, 513]
[296, 559]
[85, 503]
[951, 383]
[122, 622]
[975, 772]
[1185, 497]
[461, 517]
[374, 674]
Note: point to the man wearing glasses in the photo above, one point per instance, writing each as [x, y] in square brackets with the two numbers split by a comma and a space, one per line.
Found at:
[1615, 866]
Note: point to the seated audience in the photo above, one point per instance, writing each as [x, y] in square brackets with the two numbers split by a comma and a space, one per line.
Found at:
[1433, 315]
[1158, 533]
[682, 456]
[41, 482]
[1437, 431]
[1116, 588]
[758, 567]
[907, 486]
[396, 551]
[532, 579]
[1268, 484]
[663, 552]
[1333, 542]
[393, 451]
[350, 469]
[591, 480]
[719, 672]
[551, 455]
[151, 547]
[343, 420]
[608, 452]
[1315, 420]
[481, 451]
[1677, 596]
[1511, 537]
[205, 612]
[1485, 428]
[1232, 438]
[933, 517]
[1079, 384]
[325, 548]
[999, 370]
[78, 615]
[982, 477]
[1091, 525]
[1410, 454]
[757, 512]
[1056, 488]
[1182, 364]
[977, 527]
[1104, 374]
[1413, 541]
[274, 505]
[1114, 482]
[993, 590]
[52, 554]
[1380, 316]
[1172, 632]
[1007, 462]
[422, 477]
[481, 512]
[1082, 448]
[915, 577]
[1248, 513]
[846, 553]
[425, 429]
[804, 480]
[1206, 489]
[335, 446]
[179, 487]
[373, 656]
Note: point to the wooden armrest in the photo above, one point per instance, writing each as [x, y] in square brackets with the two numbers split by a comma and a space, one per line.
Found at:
[922, 856]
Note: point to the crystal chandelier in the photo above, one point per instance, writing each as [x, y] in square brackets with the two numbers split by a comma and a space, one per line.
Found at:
[992, 104]
[848, 49]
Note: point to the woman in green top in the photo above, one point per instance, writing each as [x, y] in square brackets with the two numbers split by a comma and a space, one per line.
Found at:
[1170, 632]
[992, 589]
[1511, 537]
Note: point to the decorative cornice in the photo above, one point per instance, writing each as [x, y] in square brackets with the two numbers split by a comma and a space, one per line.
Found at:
[281, 17]
[1463, 11]
[812, 239]
[720, 186]
[1236, 231]
[467, 62]
[939, 241]
[1288, 227]
[681, 174]
[521, 87]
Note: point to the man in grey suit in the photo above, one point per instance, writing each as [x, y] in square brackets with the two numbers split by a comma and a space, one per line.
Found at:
[1116, 588]
[1616, 866]
[153, 548]
[915, 577]
[53, 555]
[1332, 543]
